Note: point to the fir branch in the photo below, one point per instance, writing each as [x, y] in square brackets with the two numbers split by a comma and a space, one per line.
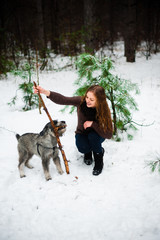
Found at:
[143, 125]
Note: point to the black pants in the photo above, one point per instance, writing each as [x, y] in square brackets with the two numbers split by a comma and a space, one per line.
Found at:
[90, 142]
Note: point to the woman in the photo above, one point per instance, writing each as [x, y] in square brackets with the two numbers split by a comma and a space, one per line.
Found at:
[94, 122]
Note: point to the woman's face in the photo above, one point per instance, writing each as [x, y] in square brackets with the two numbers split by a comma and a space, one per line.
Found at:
[91, 100]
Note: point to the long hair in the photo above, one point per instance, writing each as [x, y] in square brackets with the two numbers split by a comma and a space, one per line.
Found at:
[103, 114]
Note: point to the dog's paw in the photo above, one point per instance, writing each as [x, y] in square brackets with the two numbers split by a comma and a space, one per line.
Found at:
[48, 178]
[22, 175]
[61, 172]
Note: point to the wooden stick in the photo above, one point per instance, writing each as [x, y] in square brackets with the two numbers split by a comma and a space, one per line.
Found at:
[55, 131]
[38, 79]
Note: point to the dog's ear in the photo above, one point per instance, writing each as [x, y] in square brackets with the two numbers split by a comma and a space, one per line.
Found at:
[44, 130]
[55, 122]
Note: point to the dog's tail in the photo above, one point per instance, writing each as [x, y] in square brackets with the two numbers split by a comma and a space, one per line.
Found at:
[17, 136]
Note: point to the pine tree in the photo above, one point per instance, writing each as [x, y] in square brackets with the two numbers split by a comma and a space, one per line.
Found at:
[93, 71]
[30, 100]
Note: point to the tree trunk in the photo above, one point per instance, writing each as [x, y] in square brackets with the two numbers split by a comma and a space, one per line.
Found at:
[111, 25]
[54, 26]
[89, 23]
[130, 30]
[40, 28]
[2, 35]
[114, 112]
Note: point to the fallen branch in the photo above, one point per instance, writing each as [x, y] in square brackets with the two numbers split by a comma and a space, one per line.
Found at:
[8, 130]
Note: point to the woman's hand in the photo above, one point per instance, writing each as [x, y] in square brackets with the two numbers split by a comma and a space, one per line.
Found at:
[87, 124]
[39, 89]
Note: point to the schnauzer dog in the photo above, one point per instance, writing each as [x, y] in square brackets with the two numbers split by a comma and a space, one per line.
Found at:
[43, 145]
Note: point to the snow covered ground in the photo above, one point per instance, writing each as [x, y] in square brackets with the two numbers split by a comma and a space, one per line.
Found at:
[123, 203]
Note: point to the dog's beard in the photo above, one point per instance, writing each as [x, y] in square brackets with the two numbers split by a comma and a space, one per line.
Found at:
[61, 131]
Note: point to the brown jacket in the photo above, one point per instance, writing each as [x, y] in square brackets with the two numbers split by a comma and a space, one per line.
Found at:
[75, 101]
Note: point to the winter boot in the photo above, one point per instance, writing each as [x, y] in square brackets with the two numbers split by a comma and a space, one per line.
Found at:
[88, 158]
[98, 158]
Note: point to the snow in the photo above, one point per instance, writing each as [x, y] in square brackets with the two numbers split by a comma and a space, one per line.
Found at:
[122, 203]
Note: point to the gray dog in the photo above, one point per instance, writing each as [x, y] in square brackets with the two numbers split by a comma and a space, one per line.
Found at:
[43, 145]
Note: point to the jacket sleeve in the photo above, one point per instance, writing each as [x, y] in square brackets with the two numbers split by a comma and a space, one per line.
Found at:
[63, 100]
[107, 134]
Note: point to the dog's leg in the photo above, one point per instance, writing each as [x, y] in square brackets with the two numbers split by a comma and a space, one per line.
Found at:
[45, 164]
[27, 162]
[21, 166]
[58, 165]
[21, 172]
[22, 159]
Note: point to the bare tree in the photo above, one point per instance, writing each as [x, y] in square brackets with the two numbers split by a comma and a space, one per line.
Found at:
[71, 25]
[130, 29]
[40, 42]
[89, 23]
[54, 26]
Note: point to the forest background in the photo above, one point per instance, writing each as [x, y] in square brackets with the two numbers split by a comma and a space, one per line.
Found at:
[73, 27]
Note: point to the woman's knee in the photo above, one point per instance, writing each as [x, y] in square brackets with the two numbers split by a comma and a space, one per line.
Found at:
[93, 137]
[82, 149]
[95, 141]
[82, 143]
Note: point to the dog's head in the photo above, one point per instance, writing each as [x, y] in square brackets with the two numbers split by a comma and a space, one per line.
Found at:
[60, 127]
